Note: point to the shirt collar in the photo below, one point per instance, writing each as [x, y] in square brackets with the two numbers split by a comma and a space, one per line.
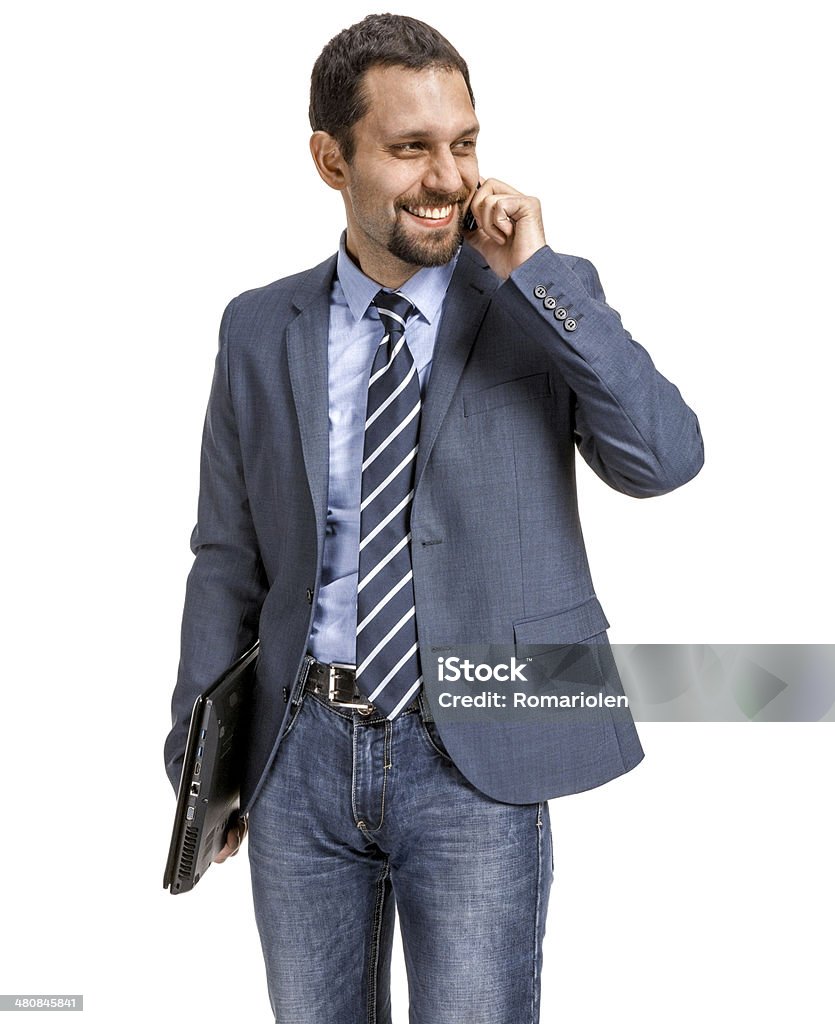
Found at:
[426, 289]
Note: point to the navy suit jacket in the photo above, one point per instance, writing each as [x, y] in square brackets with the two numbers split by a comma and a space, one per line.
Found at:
[497, 548]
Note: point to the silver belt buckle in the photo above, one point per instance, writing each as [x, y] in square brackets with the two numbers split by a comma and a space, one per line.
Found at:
[363, 706]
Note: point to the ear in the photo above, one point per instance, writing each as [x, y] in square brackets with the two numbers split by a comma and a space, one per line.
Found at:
[329, 160]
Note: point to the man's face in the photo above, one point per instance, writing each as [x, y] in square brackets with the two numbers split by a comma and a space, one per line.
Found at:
[413, 172]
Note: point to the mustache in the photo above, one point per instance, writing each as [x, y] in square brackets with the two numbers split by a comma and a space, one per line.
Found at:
[436, 199]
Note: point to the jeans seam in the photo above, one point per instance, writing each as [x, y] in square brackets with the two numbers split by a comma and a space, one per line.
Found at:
[386, 769]
[374, 952]
[354, 810]
[364, 827]
[536, 954]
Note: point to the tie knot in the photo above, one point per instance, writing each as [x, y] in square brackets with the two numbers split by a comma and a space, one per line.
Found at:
[394, 309]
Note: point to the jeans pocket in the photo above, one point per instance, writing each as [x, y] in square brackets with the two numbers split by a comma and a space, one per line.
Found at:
[430, 733]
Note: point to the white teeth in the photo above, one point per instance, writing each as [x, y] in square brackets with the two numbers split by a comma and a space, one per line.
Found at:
[431, 213]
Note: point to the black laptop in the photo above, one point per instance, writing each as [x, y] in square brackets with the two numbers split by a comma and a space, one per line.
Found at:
[209, 796]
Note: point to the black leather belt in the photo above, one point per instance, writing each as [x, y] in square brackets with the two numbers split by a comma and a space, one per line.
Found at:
[338, 684]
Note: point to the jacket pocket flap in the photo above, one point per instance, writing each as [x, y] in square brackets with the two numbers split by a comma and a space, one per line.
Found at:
[522, 389]
[571, 626]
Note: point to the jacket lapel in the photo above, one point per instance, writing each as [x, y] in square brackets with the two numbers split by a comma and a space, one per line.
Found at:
[469, 294]
[307, 356]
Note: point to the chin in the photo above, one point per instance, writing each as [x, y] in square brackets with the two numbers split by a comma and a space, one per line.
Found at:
[422, 252]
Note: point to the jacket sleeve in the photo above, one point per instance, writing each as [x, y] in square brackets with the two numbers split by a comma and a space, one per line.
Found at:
[227, 585]
[631, 424]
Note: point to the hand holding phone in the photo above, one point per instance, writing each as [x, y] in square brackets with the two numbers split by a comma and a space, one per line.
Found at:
[509, 228]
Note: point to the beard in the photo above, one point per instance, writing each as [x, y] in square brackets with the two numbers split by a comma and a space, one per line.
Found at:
[430, 250]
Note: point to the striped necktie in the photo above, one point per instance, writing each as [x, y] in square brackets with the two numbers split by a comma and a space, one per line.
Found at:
[388, 662]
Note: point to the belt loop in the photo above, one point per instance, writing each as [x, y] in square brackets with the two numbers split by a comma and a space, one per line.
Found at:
[297, 696]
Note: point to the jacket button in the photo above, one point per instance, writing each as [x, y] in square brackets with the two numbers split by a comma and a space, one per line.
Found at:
[560, 313]
[540, 291]
[570, 324]
[549, 302]
[309, 595]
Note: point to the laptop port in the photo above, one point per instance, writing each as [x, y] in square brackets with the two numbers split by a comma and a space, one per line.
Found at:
[195, 788]
[197, 769]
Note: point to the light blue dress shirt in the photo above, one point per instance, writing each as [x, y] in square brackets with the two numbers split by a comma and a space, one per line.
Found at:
[355, 332]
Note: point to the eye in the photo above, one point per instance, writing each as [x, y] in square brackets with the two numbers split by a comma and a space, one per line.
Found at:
[408, 147]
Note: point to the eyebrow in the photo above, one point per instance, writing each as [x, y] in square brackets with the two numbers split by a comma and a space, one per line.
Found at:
[420, 133]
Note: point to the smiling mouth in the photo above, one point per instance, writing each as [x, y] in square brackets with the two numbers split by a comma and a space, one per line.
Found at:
[431, 213]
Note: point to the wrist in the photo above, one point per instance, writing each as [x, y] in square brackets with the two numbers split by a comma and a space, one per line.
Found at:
[526, 263]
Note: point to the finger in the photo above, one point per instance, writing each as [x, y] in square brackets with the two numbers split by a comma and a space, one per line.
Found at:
[504, 212]
[485, 215]
[234, 838]
[238, 835]
[227, 851]
[488, 188]
[492, 186]
[498, 215]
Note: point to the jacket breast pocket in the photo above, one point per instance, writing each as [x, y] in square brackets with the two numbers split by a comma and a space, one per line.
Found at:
[509, 392]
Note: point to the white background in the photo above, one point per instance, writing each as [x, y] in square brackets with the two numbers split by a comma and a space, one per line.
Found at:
[156, 165]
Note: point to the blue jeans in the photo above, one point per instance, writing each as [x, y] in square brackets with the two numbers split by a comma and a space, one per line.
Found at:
[358, 813]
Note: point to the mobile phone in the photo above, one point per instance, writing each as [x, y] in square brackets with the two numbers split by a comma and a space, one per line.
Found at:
[469, 222]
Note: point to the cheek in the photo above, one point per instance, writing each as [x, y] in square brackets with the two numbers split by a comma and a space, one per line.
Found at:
[381, 196]
[369, 202]
[406, 185]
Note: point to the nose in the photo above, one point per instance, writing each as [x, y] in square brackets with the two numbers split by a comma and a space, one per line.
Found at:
[442, 173]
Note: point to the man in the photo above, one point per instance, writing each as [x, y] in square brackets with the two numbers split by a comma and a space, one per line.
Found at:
[387, 472]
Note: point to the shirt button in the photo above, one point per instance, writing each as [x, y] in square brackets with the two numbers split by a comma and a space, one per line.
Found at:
[309, 595]
[540, 291]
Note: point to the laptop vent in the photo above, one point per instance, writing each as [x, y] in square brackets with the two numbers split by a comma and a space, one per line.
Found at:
[189, 852]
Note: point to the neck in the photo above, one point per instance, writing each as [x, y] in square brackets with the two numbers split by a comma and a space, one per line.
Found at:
[386, 270]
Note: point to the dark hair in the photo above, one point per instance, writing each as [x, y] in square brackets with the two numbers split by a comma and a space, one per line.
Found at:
[337, 97]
